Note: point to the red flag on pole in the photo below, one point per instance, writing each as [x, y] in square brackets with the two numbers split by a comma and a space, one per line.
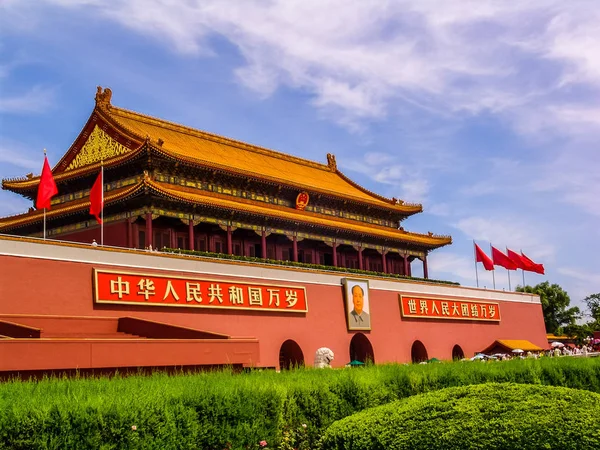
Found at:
[500, 259]
[532, 266]
[481, 257]
[517, 259]
[97, 197]
[47, 188]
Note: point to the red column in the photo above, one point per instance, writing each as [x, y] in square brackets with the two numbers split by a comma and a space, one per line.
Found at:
[360, 258]
[149, 240]
[263, 244]
[295, 248]
[335, 260]
[383, 261]
[425, 274]
[172, 238]
[191, 234]
[406, 269]
[229, 242]
[129, 234]
[136, 235]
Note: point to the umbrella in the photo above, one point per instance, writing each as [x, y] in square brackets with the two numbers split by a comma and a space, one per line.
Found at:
[557, 344]
[433, 360]
[517, 350]
[479, 356]
[355, 363]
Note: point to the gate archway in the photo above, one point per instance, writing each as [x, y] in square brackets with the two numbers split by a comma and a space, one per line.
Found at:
[361, 349]
[418, 352]
[290, 355]
[457, 352]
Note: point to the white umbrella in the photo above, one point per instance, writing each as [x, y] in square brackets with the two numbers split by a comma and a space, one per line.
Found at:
[517, 350]
[557, 344]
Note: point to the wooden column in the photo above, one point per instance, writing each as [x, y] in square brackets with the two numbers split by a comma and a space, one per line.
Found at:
[191, 234]
[263, 244]
[149, 233]
[295, 248]
[136, 235]
[383, 260]
[335, 258]
[425, 274]
[229, 241]
[172, 238]
[406, 270]
[360, 258]
[129, 234]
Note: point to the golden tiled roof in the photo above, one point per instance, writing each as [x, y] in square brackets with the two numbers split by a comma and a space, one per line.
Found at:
[211, 150]
[513, 344]
[193, 196]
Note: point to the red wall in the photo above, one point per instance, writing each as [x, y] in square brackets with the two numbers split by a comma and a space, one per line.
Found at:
[115, 234]
[40, 286]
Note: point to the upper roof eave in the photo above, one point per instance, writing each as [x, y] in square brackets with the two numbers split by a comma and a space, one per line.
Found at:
[120, 116]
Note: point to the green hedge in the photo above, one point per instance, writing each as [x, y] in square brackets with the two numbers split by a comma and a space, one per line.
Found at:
[218, 410]
[488, 416]
[277, 262]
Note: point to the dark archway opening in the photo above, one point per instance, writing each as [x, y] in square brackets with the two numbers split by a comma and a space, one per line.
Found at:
[290, 355]
[457, 353]
[361, 349]
[418, 353]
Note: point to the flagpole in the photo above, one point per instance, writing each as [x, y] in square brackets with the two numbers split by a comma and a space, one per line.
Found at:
[102, 203]
[508, 271]
[523, 270]
[475, 254]
[44, 206]
[493, 271]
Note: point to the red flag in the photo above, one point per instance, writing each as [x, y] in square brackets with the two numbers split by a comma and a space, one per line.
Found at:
[532, 266]
[481, 257]
[47, 188]
[97, 197]
[518, 260]
[500, 259]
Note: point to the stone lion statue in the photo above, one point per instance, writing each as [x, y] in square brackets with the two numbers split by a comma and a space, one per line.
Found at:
[323, 358]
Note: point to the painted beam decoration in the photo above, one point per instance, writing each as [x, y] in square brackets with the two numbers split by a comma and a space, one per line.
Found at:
[160, 290]
[453, 309]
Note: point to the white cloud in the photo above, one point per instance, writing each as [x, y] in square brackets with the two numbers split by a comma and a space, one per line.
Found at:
[37, 99]
[12, 153]
[513, 232]
[356, 58]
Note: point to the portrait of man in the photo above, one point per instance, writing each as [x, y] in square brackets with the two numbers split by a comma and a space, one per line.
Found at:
[357, 304]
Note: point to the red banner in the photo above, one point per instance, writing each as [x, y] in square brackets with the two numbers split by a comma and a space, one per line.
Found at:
[159, 290]
[433, 308]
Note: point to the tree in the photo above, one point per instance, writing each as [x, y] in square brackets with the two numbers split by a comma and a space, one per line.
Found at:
[593, 304]
[555, 305]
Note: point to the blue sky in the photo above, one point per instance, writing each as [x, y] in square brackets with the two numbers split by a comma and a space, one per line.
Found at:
[486, 112]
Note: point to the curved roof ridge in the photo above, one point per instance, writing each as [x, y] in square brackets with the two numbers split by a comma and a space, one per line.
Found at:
[392, 201]
[31, 182]
[212, 136]
[76, 205]
[179, 192]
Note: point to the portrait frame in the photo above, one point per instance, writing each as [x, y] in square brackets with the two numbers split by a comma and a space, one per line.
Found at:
[353, 320]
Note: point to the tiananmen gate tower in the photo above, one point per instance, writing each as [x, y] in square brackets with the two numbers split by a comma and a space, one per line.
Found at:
[262, 257]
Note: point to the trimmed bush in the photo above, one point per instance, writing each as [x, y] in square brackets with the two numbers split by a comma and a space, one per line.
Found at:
[224, 410]
[487, 416]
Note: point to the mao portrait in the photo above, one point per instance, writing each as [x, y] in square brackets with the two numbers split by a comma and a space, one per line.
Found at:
[356, 293]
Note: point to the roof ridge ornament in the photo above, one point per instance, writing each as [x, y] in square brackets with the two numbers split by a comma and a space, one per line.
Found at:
[103, 97]
[331, 162]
